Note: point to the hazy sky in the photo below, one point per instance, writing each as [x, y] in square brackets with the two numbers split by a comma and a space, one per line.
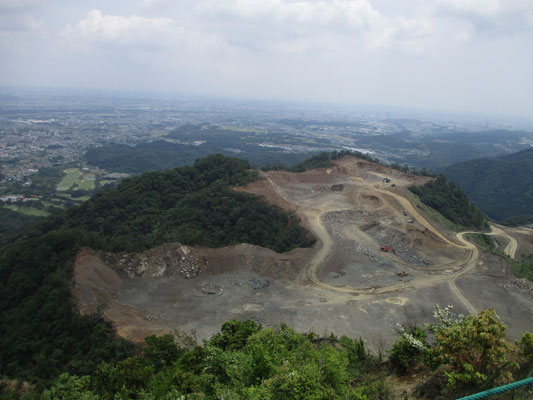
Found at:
[471, 55]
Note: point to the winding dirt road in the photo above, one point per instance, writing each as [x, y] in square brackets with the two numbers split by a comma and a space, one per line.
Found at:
[313, 214]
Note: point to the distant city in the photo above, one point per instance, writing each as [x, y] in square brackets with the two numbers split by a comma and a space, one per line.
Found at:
[44, 128]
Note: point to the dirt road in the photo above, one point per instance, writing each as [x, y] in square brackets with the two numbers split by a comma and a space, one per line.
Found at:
[512, 244]
[345, 284]
[313, 213]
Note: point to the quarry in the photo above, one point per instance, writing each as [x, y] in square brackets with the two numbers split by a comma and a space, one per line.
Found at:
[379, 259]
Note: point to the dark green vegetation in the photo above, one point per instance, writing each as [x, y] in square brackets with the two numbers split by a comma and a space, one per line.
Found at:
[190, 205]
[450, 201]
[187, 143]
[243, 361]
[469, 353]
[297, 140]
[247, 361]
[41, 334]
[12, 221]
[485, 241]
[44, 340]
[501, 187]
[523, 268]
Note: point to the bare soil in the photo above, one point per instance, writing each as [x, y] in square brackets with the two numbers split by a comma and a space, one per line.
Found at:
[345, 284]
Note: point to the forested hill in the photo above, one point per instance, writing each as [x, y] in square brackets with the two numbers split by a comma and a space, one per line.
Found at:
[450, 201]
[41, 333]
[501, 187]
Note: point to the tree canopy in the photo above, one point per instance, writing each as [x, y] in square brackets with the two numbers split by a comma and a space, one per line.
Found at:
[450, 201]
[42, 334]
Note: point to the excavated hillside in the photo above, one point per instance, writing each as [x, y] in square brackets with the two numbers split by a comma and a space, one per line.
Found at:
[378, 261]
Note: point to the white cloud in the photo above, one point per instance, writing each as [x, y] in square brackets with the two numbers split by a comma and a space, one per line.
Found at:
[295, 22]
[349, 13]
[133, 30]
[382, 51]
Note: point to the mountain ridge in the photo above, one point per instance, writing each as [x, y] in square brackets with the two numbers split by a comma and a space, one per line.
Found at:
[501, 187]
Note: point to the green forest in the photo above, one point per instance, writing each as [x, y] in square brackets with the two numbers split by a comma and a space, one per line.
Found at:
[453, 356]
[12, 221]
[45, 342]
[450, 201]
[501, 187]
[41, 333]
[185, 144]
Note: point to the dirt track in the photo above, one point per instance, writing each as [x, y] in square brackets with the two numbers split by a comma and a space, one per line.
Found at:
[345, 284]
[313, 215]
[314, 220]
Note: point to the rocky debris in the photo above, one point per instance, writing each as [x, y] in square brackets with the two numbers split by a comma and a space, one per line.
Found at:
[212, 289]
[406, 253]
[254, 283]
[336, 188]
[151, 317]
[411, 257]
[191, 270]
[167, 260]
[369, 226]
[401, 243]
[521, 285]
[375, 258]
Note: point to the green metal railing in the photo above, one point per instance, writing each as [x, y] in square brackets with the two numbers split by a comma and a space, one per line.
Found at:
[499, 390]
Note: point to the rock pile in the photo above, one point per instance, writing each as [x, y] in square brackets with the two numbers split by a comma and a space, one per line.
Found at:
[167, 260]
[521, 285]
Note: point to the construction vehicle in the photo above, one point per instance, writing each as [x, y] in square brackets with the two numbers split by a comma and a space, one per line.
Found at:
[386, 180]
[387, 249]
[402, 273]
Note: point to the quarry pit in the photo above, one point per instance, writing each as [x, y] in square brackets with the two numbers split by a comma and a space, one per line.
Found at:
[379, 260]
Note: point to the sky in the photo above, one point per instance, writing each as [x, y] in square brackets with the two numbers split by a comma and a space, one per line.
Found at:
[450, 55]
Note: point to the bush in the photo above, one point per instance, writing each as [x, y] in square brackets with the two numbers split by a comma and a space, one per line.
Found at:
[476, 350]
[408, 350]
[525, 344]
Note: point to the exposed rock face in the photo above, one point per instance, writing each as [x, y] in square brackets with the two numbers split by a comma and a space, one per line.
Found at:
[101, 279]
[95, 289]
[167, 260]
[94, 285]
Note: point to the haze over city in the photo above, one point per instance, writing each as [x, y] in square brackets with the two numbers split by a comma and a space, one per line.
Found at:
[468, 56]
